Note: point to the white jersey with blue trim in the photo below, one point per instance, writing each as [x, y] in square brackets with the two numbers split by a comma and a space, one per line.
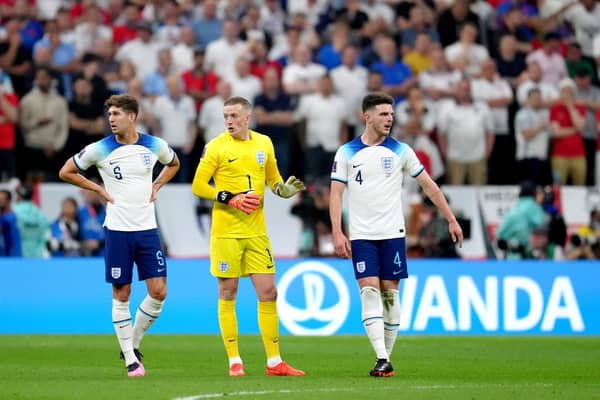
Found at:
[126, 171]
[373, 177]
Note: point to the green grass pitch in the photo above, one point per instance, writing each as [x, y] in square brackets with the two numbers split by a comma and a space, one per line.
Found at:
[195, 367]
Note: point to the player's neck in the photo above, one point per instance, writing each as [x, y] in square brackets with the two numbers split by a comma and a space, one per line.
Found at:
[371, 138]
[243, 136]
[128, 137]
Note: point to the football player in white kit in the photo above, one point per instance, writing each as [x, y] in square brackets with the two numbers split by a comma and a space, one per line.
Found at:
[371, 168]
[125, 161]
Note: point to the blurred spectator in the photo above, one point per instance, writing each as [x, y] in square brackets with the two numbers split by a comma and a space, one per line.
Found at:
[397, 77]
[89, 28]
[207, 29]
[302, 76]
[274, 118]
[325, 116]
[598, 149]
[284, 48]
[259, 60]
[86, 118]
[31, 29]
[554, 221]
[170, 25]
[44, 125]
[64, 23]
[308, 35]
[175, 113]
[118, 83]
[434, 238]
[451, 21]
[549, 59]
[498, 95]
[108, 68]
[90, 71]
[155, 83]
[575, 61]
[243, 83]
[330, 54]
[585, 242]
[15, 59]
[417, 24]
[540, 248]
[9, 115]
[251, 27]
[65, 237]
[532, 78]
[142, 51]
[10, 238]
[419, 58]
[438, 81]
[350, 82]
[588, 96]
[514, 23]
[32, 224]
[417, 112]
[182, 52]
[272, 17]
[532, 134]
[210, 118]
[198, 83]
[518, 222]
[125, 26]
[567, 119]
[509, 61]
[63, 56]
[222, 53]
[145, 121]
[465, 55]
[466, 137]
[310, 9]
[584, 18]
[91, 217]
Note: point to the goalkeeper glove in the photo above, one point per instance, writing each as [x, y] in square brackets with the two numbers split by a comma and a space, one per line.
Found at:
[288, 189]
[245, 202]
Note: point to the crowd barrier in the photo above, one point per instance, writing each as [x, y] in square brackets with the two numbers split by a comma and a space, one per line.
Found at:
[316, 297]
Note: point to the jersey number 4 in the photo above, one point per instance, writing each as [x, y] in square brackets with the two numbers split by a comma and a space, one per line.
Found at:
[359, 178]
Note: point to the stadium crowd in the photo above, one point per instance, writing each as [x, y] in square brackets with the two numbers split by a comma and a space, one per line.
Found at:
[487, 92]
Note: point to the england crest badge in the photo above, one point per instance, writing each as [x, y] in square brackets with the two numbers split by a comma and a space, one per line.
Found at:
[260, 157]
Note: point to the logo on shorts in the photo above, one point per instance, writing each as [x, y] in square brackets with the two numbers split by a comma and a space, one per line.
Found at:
[388, 164]
[361, 267]
[223, 266]
[260, 157]
[115, 272]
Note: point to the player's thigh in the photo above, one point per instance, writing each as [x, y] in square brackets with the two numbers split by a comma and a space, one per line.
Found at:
[119, 254]
[258, 256]
[393, 259]
[365, 258]
[226, 257]
[149, 255]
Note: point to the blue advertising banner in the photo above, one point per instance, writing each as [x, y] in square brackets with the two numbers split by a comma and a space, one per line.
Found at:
[316, 297]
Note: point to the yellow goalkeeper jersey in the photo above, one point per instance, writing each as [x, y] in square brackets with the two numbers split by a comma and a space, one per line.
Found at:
[236, 166]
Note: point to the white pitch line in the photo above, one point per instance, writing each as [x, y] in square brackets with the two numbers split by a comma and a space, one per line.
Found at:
[415, 387]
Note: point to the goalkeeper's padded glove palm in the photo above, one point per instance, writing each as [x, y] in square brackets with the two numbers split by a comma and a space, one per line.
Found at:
[288, 189]
[245, 202]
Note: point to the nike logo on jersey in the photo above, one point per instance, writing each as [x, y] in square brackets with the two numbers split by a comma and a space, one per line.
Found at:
[270, 266]
[111, 162]
[232, 159]
[356, 165]
[161, 269]
[397, 272]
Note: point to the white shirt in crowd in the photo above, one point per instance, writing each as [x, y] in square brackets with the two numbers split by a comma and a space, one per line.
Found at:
[537, 147]
[466, 127]
[351, 85]
[548, 91]
[175, 117]
[144, 56]
[586, 25]
[296, 73]
[221, 55]
[443, 80]
[324, 117]
[484, 90]
[210, 118]
[247, 87]
[476, 55]
[183, 58]
[404, 113]
[552, 65]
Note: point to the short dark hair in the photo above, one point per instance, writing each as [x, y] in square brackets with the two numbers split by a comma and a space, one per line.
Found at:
[7, 193]
[232, 101]
[374, 99]
[125, 101]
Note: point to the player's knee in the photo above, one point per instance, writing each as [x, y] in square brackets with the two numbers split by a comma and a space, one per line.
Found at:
[121, 292]
[159, 294]
[268, 294]
[227, 294]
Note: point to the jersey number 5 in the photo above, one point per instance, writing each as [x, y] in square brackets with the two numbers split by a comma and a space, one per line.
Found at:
[117, 172]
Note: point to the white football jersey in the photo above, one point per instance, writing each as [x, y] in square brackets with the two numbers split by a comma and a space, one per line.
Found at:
[373, 177]
[126, 171]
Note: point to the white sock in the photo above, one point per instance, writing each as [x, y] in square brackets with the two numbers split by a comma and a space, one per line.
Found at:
[122, 322]
[372, 319]
[145, 316]
[273, 361]
[391, 318]
[235, 360]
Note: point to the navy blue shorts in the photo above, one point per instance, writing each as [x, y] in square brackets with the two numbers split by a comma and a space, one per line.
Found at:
[125, 248]
[385, 259]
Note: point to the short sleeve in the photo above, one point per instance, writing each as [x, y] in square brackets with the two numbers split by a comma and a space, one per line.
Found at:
[410, 162]
[164, 153]
[88, 156]
[339, 168]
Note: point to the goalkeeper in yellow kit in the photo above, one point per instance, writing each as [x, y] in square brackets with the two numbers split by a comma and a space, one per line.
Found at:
[242, 162]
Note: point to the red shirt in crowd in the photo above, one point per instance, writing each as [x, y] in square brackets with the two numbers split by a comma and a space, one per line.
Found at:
[567, 146]
[205, 82]
[7, 128]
